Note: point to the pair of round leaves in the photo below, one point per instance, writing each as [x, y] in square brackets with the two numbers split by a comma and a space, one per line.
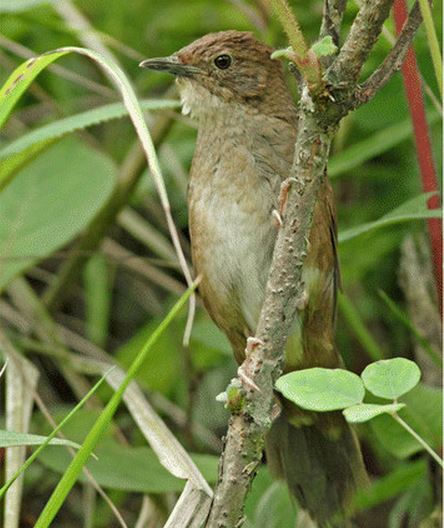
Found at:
[322, 390]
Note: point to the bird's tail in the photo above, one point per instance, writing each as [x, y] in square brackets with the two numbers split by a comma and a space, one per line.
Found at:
[322, 465]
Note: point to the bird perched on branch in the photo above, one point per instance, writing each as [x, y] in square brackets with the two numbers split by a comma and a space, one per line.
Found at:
[247, 128]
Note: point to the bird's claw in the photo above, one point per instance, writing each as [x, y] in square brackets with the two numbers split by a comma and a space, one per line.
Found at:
[282, 199]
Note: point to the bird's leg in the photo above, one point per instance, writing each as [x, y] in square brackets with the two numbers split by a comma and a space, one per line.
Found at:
[282, 201]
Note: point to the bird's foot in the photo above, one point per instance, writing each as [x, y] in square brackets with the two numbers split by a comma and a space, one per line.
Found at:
[282, 200]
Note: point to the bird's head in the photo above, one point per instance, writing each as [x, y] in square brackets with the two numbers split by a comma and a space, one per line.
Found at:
[225, 67]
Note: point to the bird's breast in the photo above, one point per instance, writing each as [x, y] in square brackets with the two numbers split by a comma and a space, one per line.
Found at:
[232, 232]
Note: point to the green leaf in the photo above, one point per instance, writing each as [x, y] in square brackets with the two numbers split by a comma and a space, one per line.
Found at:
[324, 47]
[367, 149]
[423, 412]
[13, 439]
[364, 412]
[135, 469]
[20, 79]
[391, 378]
[18, 152]
[49, 202]
[321, 389]
[284, 53]
[414, 209]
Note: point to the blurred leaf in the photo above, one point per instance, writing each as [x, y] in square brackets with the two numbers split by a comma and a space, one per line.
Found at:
[390, 485]
[391, 378]
[20, 79]
[11, 439]
[49, 202]
[364, 412]
[17, 153]
[15, 6]
[372, 146]
[321, 389]
[414, 209]
[126, 468]
[423, 412]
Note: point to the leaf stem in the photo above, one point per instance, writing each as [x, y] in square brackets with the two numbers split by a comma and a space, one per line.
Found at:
[418, 438]
[305, 59]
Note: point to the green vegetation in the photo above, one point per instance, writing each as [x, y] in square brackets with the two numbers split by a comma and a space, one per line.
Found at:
[88, 272]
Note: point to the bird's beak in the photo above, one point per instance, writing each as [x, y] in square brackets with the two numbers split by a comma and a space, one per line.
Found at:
[171, 64]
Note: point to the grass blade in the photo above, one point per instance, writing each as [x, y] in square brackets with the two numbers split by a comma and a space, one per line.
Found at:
[69, 478]
[36, 453]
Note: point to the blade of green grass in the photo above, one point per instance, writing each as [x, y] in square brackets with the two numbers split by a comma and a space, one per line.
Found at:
[37, 452]
[375, 145]
[432, 41]
[14, 439]
[414, 209]
[69, 478]
[21, 78]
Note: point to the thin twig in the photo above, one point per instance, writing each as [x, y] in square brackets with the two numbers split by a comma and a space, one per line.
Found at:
[363, 34]
[332, 19]
[393, 61]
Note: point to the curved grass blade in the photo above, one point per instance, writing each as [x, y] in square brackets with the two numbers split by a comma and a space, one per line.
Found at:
[19, 152]
[414, 209]
[21, 78]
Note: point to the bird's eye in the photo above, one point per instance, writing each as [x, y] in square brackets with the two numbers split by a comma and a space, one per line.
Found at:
[223, 61]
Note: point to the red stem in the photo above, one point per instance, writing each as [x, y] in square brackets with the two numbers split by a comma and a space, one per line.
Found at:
[413, 88]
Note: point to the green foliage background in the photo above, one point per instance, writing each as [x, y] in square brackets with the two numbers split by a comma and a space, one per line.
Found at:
[119, 298]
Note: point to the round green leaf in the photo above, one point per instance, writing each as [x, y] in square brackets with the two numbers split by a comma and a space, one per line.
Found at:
[391, 378]
[321, 389]
[364, 412]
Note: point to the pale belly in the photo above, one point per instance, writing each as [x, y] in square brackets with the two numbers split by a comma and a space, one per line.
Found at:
[232, 243]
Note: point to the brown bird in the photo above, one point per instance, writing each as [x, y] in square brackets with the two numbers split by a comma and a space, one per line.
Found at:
[247, 127]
